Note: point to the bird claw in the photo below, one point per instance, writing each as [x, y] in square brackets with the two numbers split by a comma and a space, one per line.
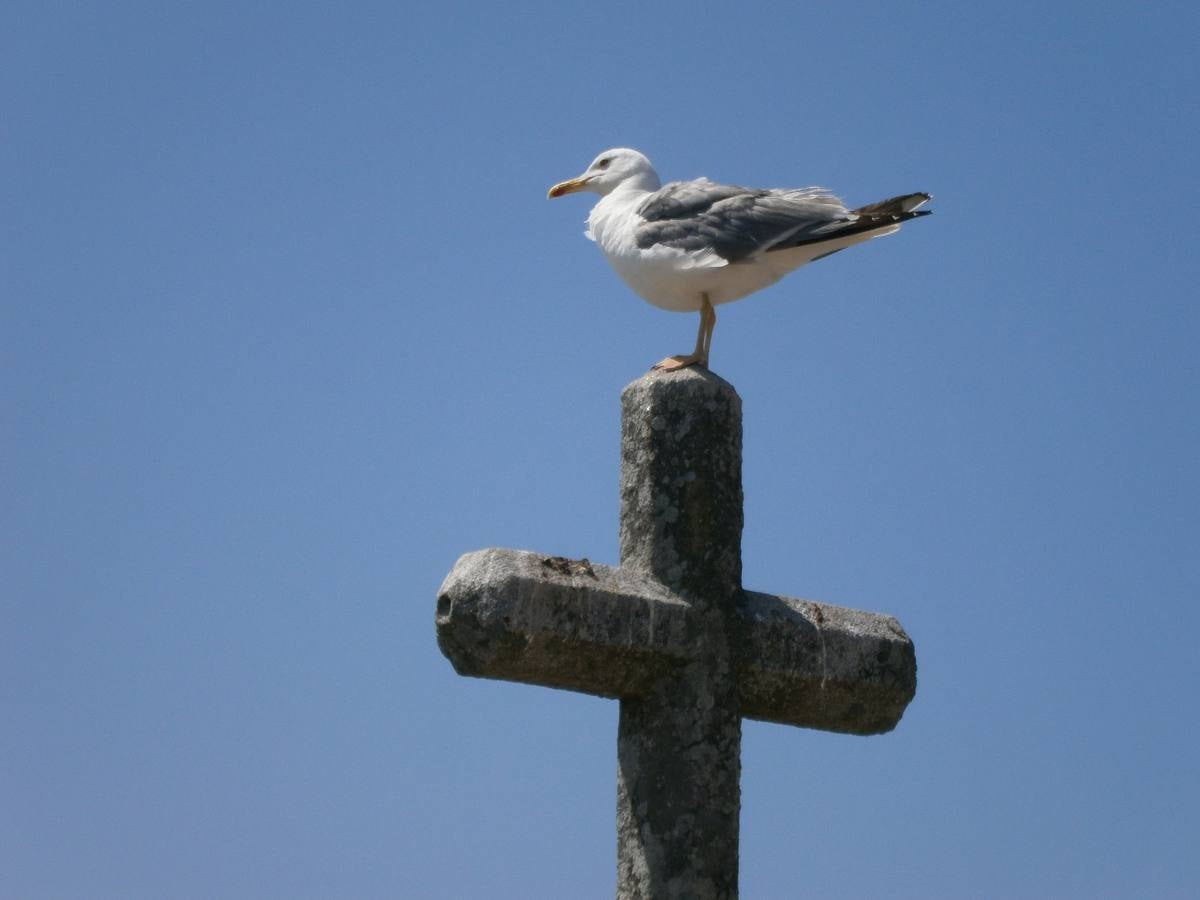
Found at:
[673, 363]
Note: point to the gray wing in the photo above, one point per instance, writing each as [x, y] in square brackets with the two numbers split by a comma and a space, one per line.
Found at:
[737, 222]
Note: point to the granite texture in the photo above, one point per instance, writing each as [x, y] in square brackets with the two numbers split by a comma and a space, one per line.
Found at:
[672, 635]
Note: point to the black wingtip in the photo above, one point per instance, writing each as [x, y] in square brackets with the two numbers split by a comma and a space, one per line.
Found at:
[904, 205]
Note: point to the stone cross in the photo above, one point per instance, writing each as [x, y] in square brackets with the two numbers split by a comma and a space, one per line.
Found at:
[671, 633]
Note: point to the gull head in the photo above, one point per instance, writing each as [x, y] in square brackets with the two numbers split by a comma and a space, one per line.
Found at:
[619, 167]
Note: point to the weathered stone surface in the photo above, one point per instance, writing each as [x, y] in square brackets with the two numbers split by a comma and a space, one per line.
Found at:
[507, 614]
[822, 666]
[678, 786]
[671, 633]
[681, 482]
[679, 745]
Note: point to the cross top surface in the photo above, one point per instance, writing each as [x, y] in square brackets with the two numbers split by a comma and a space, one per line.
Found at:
[672, 634]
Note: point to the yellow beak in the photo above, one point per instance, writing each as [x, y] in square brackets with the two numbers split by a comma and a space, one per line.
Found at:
[570, 186]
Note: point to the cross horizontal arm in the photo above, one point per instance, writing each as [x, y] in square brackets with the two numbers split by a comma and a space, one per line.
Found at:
[513, 615]
[822, 666]
[516, 616]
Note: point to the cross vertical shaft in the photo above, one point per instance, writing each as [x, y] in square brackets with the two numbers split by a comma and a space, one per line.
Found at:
[679, 744]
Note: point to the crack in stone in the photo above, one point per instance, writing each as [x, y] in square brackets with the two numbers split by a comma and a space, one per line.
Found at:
[819, 621]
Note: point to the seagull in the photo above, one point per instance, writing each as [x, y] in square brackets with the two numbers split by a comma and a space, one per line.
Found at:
[692, 245]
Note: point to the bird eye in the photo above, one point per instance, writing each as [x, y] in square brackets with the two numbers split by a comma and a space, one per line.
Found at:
[603, 163]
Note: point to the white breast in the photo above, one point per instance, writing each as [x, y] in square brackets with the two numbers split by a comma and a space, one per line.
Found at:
[663, 276]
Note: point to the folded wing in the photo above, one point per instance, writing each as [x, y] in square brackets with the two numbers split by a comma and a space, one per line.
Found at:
[736, 223]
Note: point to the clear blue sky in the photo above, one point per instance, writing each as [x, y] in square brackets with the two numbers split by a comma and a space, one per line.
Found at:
[287, 324]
